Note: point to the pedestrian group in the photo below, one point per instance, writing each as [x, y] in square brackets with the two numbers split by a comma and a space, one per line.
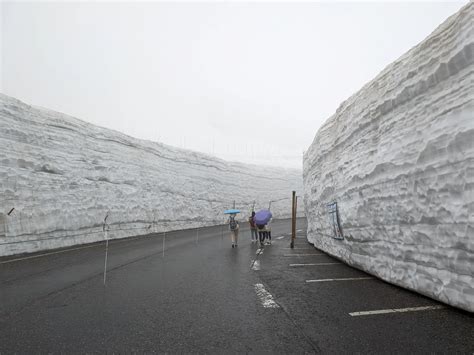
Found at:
[259, 233]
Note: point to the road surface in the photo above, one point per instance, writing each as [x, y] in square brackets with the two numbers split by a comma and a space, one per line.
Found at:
[201, 295]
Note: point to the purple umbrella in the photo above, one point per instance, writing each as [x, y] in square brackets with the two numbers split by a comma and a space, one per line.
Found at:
[262, 217]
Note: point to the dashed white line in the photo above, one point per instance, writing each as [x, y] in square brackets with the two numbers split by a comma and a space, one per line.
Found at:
[341, 279]
[281, 237]
[256, 265]
[302, 254]
[265, 297]
[315, 264]
[395, 310]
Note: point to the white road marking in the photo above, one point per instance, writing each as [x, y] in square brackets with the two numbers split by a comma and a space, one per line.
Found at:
[302, 254]
[395, 310]
[265, 297]
[259, 251]
[299, 230]
[317, 264]
[342, 279]
[256, 265]
[281, 237]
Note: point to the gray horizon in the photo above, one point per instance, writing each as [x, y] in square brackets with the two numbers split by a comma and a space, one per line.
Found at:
[250, 83]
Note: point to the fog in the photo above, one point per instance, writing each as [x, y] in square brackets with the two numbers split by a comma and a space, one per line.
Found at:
[250, 82]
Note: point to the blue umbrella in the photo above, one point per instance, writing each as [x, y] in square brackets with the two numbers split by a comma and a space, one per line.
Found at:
[231, 211]
[262, 217]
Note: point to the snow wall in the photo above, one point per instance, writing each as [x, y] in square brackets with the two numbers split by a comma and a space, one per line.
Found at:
[62, 176]
[398, 160]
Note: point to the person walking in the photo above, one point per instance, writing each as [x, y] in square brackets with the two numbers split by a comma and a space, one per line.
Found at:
[261, 233]
[234, 230]
[269, 232]
[253, 228]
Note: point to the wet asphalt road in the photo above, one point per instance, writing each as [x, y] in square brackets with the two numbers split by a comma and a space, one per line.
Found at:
[201, 298]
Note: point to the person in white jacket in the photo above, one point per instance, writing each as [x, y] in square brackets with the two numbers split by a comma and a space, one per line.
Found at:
[269, 232]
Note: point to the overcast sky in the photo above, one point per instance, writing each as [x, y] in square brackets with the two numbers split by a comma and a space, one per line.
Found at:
[251, 82]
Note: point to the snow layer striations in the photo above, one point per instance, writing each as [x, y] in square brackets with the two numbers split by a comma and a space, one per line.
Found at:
[62, 176]
[398, 159]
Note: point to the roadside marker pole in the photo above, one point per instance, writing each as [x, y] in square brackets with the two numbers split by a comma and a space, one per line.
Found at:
[106, 254]
[105, 228]
[293, 220]
[296, 211]
[164, 237]
[222, 231]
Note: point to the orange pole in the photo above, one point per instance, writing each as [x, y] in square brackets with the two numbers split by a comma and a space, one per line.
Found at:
[293, 220]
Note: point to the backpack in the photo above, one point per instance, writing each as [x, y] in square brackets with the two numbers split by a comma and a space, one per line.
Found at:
[252, 222]
[233, 224]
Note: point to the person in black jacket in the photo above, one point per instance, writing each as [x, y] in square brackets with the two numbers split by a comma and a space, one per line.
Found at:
[253, 228]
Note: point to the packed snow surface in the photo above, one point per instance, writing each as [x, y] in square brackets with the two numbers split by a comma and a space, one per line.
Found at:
[398, 159]
[62, 176]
